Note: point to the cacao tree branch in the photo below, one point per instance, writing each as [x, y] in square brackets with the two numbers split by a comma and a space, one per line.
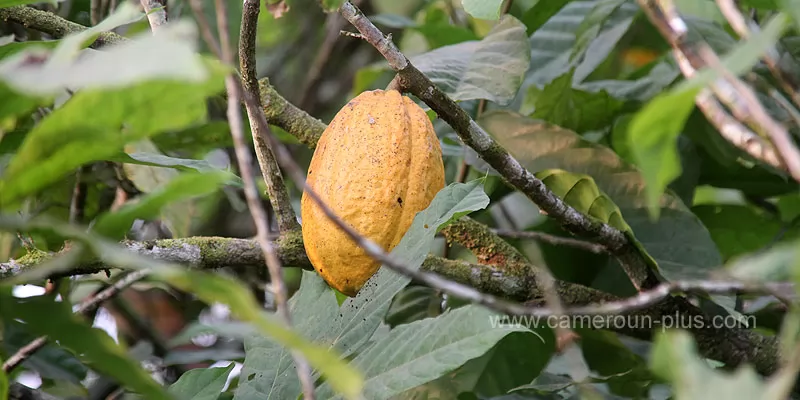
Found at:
[52, 24]
[490, 151]
[236, 92]
[271, 172]
[740, 99]
[285, 115]
[516, 280]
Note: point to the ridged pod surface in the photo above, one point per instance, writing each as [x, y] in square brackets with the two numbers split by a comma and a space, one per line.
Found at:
[376, 165]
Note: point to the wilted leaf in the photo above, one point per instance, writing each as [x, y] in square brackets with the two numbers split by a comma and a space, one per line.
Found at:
[201, 383]
[490, 69]
[678, 241]
[419, 352]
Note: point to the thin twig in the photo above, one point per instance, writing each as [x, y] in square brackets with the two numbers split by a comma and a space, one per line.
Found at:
[334, 23]
[94, 12]
[52, 24]
[742, 28]
[552, 239]
[512, 171]
[87, 305]
[738, 97]
[156, 11]
[271, 172]
[235, 91]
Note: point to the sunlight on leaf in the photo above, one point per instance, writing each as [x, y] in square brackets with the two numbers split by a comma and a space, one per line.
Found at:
[483, 9]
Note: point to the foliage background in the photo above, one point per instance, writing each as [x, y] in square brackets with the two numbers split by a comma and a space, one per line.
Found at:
[560, 84]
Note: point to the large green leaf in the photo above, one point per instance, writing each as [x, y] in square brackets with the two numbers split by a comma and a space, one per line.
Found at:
[579, 110]
[739, 229]
[201, 383]
[419, 352]
[514, 361]
[678, 241]
[45, 316]
[490, 69]
[268, 369]
[553, 43]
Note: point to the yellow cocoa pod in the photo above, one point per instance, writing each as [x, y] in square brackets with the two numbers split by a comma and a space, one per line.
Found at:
[376, 165]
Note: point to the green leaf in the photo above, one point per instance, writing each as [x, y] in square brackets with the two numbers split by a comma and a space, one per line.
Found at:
[739, 229]
[541, 12]
[50, 362]
[269, 371]
[652, 138]
[318, 317]
[483, 9]
[331, 5]
[675, 359]
[56, 320]
[76, 133]
[201, 383]
[362, 314]
[490, 69]
[779, 263]
[3, 384]
[12, 3]
[168, 56]
[552, 44]
[184, 186]
[678, 241]
[592, 24]
[419, 352]
[439, 30]
[181, 164]
[581, 111]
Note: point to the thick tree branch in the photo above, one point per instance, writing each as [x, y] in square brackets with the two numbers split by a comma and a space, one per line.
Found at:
[276, 188]
[285, 115]
[516, 280]
[490, 151]
[52, 24]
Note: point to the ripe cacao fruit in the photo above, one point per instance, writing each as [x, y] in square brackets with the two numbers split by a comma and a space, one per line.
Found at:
[376, 165]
